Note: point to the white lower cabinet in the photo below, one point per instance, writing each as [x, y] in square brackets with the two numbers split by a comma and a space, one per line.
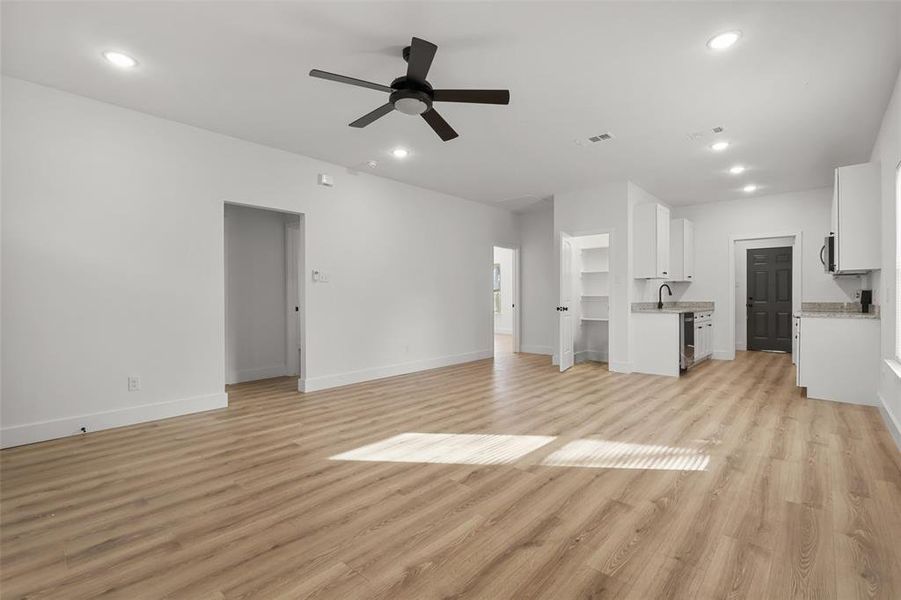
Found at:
[703, 336]
[838, 358]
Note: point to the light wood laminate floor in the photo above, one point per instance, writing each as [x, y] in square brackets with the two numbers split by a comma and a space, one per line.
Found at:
[725, 483]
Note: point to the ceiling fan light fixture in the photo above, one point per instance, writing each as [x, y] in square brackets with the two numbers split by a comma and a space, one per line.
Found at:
[411, 106]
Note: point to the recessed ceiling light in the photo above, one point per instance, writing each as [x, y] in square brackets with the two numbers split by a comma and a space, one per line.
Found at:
[400, 153]
[719, 146]
[123, 61]
[750, 188]
[737, 170]
[723, 40]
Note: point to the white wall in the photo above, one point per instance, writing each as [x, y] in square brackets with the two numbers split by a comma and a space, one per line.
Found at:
[256, 323]
[538, 293]
[113, 261]
[806, 212]
[503, 321]
[887, 152]
[741, 283]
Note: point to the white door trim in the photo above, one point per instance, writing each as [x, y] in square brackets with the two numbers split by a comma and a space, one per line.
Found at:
[797, 266]
[517, 325]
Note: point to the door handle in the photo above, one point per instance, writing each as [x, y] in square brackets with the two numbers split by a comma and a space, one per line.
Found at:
[822, 249]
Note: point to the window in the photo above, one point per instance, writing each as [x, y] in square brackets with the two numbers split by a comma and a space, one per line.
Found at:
[898, 263]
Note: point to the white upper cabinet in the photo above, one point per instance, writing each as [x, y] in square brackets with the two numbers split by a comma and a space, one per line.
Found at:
[651, 242]
[855, 218]
[682, 250]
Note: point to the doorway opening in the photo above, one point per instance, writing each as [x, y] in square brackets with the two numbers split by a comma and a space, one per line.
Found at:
[263, 294]
[767, 287]
[504, 301]
[585, 291]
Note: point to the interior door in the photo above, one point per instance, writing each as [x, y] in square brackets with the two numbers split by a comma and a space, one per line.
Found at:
[770, 299]
[565, 346]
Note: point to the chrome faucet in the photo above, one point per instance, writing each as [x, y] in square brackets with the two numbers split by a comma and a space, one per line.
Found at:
[660, 295]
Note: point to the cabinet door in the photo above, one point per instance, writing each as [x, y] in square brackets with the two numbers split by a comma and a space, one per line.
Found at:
[709, 329]
[644, 252]
[856, 213]
[688, 250]
[662, 238]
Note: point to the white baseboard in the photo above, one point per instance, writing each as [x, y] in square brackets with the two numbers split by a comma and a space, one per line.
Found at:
[891, 423]
[546, 350]
[258, 373]
[620, 367]
[29, 433]
[592, 355]
[331, 381]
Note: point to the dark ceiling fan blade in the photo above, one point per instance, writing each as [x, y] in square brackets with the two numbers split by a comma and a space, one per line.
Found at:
[474, 96]
[349, 80]
[372, 116]
[441, 127]
[420, 60]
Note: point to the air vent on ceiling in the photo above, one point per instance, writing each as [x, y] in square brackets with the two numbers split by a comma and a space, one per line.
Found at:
[602, 137]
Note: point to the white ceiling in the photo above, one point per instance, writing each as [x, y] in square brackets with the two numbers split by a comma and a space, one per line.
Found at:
[802, 92]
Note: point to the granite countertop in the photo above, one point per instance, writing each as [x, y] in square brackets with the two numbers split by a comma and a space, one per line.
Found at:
[836, 310]
[822, 314]
[673, 308]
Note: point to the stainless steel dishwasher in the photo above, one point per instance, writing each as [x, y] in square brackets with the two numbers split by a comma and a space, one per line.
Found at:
[686, 340]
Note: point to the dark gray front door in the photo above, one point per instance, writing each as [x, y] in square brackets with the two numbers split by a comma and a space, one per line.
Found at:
[770, 299]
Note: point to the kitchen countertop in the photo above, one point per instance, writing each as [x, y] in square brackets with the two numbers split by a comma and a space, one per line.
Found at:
[672, 308]
[822, 314]
[835, 310]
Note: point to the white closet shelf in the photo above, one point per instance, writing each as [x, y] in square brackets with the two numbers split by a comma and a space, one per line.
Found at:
[594, 272]
[599, 319]
[595, 248]
[594, 296]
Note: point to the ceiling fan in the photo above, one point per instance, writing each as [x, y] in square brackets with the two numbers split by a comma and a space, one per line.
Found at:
[412, 94]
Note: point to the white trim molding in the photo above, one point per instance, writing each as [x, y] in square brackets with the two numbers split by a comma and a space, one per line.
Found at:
[325, 382]
[259, 373]
[592, 355]
[546, 350]
[29, 433]
[620, 367]
[891, 423]
[797, 278]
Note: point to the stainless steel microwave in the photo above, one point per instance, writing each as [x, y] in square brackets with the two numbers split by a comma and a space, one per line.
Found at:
[827, 253]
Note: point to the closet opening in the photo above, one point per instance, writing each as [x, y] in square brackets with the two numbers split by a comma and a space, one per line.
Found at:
[263, 294]
[504, 301]
[584, 311]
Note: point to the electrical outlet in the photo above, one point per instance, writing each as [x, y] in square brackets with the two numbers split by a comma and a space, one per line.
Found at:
[857, 294]
[134, 384]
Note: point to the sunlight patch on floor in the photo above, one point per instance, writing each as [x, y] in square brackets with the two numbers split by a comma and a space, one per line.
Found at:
[448, 448]
[604, 454]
